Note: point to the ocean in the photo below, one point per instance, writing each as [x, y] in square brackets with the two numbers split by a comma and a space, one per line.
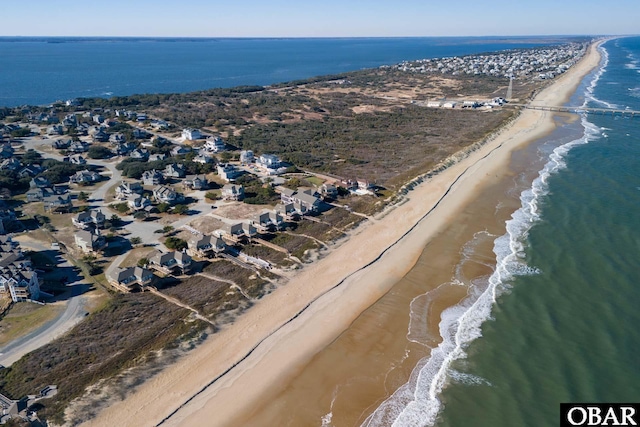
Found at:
[493, 328]
[564, 325]
[38, 71]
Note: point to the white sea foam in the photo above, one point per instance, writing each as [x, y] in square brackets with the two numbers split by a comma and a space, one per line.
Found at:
[417, 402]
[594, 82]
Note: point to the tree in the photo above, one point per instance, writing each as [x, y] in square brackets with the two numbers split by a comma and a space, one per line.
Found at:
[31, 157]
[180, 209]
[135, 240]
[175, 243]
[163, 207]
[143, 262]
[83, 197]
[99, 152]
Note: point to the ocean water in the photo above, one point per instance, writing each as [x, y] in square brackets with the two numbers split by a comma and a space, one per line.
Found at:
[557, 320]
[38, 71]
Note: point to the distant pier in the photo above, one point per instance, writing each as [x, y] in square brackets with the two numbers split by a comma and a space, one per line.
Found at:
[578, 110]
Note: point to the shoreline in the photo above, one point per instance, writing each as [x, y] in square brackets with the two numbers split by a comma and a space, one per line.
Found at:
[300, 318]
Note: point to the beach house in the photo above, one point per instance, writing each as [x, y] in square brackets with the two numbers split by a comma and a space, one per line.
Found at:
[171, 262]
[89, 219]
[206, 246]
[89, 240]
[152, 177]
[130, 279]
[233, 192]
[191, 134]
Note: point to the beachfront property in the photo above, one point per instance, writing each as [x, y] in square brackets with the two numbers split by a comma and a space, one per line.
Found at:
[328, 191]
[89, 241]
[267, 221]
[304, 202]
[233, 192]
[89, 219]
[191, 134]
[203, 159]
[171, 262]
[206, 246]
[228, 172]
[238, 231]
[130, 279]
[287, 210]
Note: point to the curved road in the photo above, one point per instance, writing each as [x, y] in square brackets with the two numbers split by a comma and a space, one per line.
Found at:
[73, 313]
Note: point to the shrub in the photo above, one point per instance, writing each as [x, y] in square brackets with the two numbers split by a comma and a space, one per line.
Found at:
[175, 243]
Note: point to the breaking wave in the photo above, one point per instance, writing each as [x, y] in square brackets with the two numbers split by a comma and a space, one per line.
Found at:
[417, 402]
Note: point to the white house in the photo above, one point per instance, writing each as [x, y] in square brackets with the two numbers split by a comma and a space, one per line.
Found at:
[191, 134]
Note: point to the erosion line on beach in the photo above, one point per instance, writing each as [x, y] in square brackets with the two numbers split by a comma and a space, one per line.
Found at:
[337, 285]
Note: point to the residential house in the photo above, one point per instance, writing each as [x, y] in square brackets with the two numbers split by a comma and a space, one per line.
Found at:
[137, 202]
[171, 262]
[57, 203]
[89, 219]
[239, 230]
[98, 118]
[174, 171]
[328, 191]
[287, 210]
[228, 172]
[61, 144]
[214, 145]
[268, 161]
[39, 182]
[100, 135]
[37, 194]
[164, 194]
[195, 182]
[117, 138]
[191, 134]
[55, 130]
[124, 148]
[79, 146]
[126, 189]
[18, 278]
[140, 133]
[305, 203]
[180, 150]
[29, 171]
[267, 221]
[75, 159]
[246, 157]
[152, 177]
[131, 278]
[233, 192]
[205, 246]
[11, 164]
[6, 151]
[141, 117]
[85, 177]
[89, 240]
[157, 157]
[70, 120]
[203, 159]
[140, 154]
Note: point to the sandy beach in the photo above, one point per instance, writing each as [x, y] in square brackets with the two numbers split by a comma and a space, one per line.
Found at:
[238, 367]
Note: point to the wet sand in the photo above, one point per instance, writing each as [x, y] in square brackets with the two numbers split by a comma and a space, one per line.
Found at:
[251, 367]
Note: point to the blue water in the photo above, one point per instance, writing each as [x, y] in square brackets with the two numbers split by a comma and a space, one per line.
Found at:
[38, 71]
[564, 311]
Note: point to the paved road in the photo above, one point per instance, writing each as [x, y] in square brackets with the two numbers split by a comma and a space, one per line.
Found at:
[73, 313]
